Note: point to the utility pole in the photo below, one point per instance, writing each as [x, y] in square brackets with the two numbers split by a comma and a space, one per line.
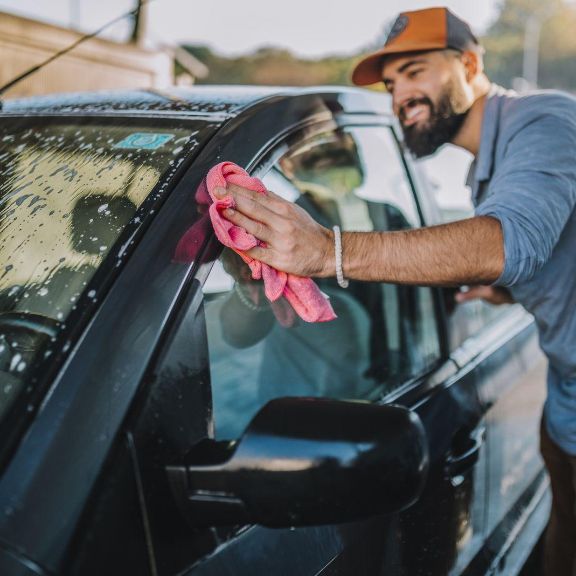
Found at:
[532, 30]
[140, 29]
[531, 49]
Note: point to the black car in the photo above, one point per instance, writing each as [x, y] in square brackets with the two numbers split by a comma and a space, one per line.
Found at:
[159, 416]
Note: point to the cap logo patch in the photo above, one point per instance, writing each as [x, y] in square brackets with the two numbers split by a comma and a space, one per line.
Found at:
[397, 28]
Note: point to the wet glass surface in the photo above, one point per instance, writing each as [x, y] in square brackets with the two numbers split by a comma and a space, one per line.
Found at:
[68, 190]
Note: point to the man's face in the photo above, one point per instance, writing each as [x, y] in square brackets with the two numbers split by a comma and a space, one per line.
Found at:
[429, 96]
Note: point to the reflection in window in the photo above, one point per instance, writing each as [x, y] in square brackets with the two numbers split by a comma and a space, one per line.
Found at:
[384, 334]
[447, 172]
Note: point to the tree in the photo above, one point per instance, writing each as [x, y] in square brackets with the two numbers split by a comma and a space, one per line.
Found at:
[504, 42]
[272, 66]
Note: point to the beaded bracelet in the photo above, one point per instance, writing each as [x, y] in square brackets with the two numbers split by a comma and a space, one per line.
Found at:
[247, 302]
[342, 282]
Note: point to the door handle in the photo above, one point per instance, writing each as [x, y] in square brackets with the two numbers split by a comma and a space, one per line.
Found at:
[458, 464]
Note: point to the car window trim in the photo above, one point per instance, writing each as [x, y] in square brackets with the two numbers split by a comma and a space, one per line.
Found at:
[492, 336]
[450, 371]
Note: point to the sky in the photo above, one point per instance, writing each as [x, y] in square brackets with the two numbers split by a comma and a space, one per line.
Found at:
[307, 28]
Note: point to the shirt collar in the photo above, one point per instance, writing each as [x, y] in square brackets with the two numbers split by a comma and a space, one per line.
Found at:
[484, 162]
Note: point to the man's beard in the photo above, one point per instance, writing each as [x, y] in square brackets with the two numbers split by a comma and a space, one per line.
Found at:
[441, 127]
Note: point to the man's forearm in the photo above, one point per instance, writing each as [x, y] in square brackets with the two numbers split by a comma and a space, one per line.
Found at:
[464, 252]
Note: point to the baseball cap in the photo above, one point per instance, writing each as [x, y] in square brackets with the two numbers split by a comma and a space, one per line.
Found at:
[416, 31]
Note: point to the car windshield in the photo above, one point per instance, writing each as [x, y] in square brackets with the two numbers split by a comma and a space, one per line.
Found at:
[68, 189]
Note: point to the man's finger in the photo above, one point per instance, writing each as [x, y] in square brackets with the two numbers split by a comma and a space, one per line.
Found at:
[462, 297]
[255, 210]
[472, 293]
[260, 253]
[219, 192]
[270, 201]
[253, 227]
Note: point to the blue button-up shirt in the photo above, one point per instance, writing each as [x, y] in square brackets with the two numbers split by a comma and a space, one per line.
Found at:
[525, 176]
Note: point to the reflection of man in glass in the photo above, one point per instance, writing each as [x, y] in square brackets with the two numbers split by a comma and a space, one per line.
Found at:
[345, 358]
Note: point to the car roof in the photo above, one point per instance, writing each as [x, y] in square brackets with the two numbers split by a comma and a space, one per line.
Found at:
[197, 101]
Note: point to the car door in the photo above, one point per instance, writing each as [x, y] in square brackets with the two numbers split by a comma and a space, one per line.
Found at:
[511, 382]
[501, 343]
[386, 346]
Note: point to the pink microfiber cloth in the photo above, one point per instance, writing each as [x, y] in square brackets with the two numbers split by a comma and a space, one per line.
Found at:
[302, 293]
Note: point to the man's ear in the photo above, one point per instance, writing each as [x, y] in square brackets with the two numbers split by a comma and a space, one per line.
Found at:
[472, 64]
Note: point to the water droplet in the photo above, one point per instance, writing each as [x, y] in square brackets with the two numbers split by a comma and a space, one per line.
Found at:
[15, 361]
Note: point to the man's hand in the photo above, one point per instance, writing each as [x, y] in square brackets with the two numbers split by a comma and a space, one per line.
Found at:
[295, 243]
[491, 294]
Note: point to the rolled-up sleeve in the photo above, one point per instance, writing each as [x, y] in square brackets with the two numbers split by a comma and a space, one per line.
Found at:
[532, 194]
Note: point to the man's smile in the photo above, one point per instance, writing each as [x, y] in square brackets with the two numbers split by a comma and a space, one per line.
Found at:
[414, 112]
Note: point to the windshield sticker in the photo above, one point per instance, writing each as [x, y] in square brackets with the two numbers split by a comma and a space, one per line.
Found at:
[144, 141]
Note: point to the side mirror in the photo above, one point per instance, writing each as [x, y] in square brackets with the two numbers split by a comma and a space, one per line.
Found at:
[305, 461]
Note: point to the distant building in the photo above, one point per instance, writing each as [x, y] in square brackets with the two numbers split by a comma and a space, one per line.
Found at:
[97, 64]
[189, 67]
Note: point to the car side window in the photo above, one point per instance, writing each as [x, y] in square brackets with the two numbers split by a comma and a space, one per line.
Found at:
[384, 334]
[447, 172]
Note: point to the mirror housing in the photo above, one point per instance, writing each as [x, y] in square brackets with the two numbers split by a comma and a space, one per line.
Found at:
[306, 461]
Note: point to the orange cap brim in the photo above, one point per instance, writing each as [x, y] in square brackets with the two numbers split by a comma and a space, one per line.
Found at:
[369, 69]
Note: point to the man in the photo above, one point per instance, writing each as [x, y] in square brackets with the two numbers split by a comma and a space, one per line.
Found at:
[521, 240]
